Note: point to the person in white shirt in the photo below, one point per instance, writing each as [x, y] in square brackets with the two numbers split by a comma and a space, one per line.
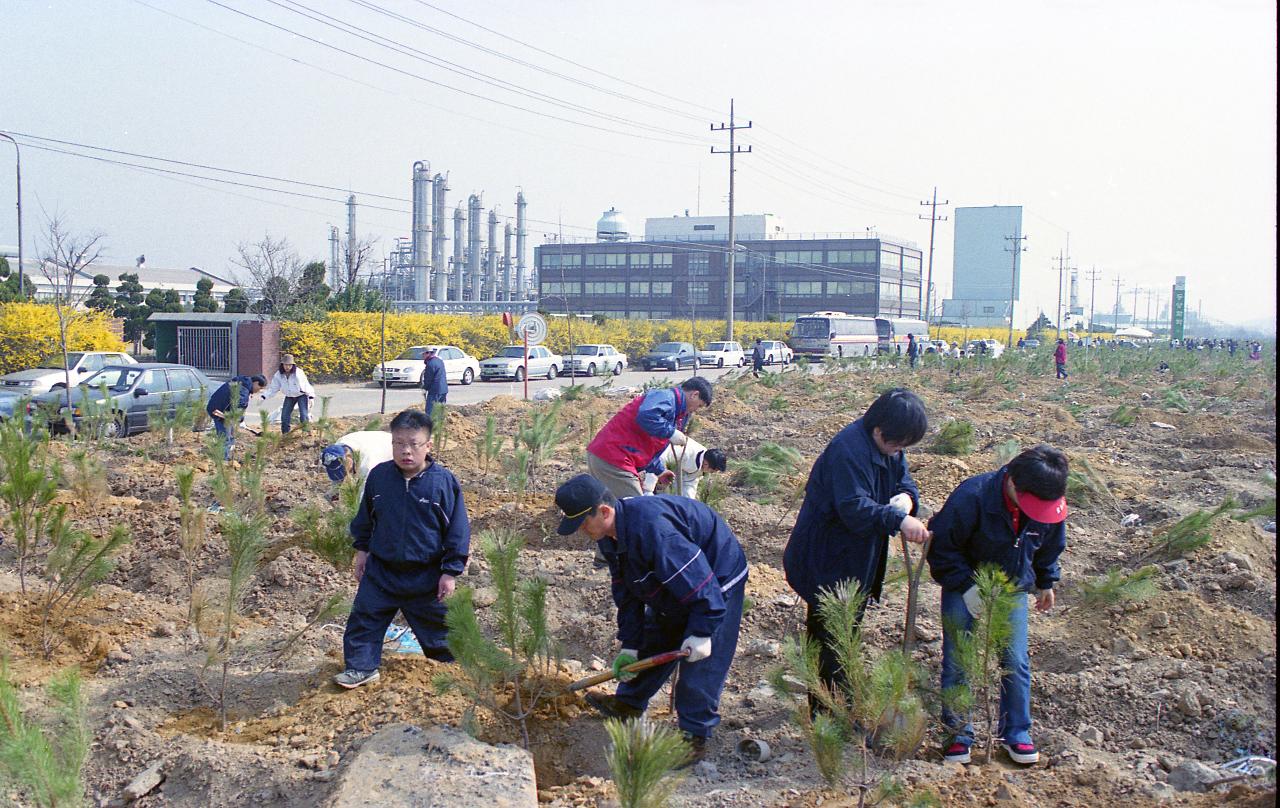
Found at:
[298, 392]
[356, 453]
[690, 461]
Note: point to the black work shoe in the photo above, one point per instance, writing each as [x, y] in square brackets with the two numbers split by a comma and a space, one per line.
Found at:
[610, 707]
[697, 750]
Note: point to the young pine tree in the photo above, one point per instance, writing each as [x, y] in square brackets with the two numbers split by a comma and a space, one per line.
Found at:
[44, 763]
[76, 563]
[28, 484]
[642, 756]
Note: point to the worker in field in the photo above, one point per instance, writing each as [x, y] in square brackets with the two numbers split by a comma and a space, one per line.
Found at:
[220, 404]
[679, 575]
[859, 493]
[1060, 359]
[1012, 517]
[356, 453]
[298, 392]
[412, 538]
[913, 349]
[689, 462]
[435, 381]
[757, 358]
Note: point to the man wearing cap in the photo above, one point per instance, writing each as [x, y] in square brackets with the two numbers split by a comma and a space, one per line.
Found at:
[1012, 517]
[298, 392]
[678, 580]
[357, 452]
[435, 381]
[691, 461]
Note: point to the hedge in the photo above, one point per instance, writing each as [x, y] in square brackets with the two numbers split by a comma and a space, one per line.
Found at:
[29, 331]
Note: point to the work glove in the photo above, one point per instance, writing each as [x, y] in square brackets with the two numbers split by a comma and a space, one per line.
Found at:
[627, 656]
[901, 502]
[678, 438]
[973, 602]
[699, 648]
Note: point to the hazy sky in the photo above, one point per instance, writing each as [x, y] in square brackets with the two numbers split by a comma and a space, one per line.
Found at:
[1145, 129]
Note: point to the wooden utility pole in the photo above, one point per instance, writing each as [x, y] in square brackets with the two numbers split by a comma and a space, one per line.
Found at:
[934, 218]
[733, 247]
[1093, 296]
[1115, 326]
[1015, 247]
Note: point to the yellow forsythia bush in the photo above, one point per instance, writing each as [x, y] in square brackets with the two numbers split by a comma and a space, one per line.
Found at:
[346, 345]
[29, 331]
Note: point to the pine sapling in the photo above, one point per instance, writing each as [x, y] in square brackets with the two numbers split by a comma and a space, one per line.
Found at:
[1118, 587]
[489, 444]
[954, 438]
[326, 530]
[45, 763]
[541, 435]
[192, 533]
[245, 535]
[76, 563]
[87, 477]
[642, 757]
[439, 428]
[28, 484]
[1191, 532]
[770, 464]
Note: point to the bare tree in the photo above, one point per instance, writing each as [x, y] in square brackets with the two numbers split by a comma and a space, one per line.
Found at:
[359, 255]
[274, 269]
[65, 256]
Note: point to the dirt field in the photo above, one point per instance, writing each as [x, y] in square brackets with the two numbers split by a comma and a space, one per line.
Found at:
[1122, 695]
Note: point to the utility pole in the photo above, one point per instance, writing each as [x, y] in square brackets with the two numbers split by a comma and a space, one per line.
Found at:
[1058, 313]
[1016, 247]
[1133, 318]
[1116, 325]
[733, 247]
[22, 288]
[933, 218]
[1093, 296]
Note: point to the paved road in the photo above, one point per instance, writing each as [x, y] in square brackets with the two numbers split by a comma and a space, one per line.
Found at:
[350, 398]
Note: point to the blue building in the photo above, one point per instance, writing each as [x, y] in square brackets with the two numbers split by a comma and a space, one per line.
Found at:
[984, 266]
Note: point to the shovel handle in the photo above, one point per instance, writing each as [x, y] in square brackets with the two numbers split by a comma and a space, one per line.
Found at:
[635, 667]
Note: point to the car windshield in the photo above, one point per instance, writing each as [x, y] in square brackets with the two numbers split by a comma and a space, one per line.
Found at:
[412, 353]
[667, 347]
[512, 352]
[717, 346]
[113, 378]
[55, 361]
[587, 350]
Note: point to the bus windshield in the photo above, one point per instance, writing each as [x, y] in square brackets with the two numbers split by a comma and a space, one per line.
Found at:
[812, 328]
[884, 329]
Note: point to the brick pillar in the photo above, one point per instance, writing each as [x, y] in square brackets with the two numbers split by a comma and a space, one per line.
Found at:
[257, 347]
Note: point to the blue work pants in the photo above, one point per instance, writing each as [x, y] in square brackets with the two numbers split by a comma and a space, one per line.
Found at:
[372, 612]
[228, 436]
[286, 412]
[1015, 687]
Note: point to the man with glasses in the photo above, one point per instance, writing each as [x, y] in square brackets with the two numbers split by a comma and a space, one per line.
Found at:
[412, 539]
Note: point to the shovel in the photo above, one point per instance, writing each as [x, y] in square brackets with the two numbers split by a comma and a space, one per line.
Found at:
[635, 667]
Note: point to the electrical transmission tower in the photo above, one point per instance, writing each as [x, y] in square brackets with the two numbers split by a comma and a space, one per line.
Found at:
[733, 247]
[1015, 242]
[933, 218]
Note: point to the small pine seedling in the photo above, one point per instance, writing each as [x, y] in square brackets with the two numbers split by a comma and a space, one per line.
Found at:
[1123, 415]
[1191, 532]
[642, 757]
[1007, 451]
[954, 438]
[1117, 587]
[770, 464]
[45, 763]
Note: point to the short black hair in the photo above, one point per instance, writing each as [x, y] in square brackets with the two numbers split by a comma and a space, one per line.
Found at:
[900, 415]
[606, 498]
[412, 419]
[258, 378]
[716, 459]
[700, 386]
[1040, 471]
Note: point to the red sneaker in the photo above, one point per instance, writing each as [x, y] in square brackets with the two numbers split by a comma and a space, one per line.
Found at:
[956, 753]
[1022, 752]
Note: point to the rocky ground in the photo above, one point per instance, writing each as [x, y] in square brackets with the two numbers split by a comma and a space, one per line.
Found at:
[1135, 704]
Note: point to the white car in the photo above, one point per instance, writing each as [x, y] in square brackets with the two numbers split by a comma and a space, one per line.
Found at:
[776, 352]
[989, 348]
[509, 364]
[592, 360]
[937, 346]
[50, 374]
[722, 354]
[408, 367]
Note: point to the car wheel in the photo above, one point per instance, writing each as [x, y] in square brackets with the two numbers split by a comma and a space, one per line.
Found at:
[618, 370]
[768, 360]
[591, 370]
[696, 363]
[114, 427]
[519, 374]
[552, 372]
[468, 377]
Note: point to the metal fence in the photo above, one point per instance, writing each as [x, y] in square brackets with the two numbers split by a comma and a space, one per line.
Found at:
[208, 348]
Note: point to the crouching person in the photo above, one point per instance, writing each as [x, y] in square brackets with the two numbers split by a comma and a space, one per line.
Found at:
[678, 580]
[412, 539]
[1013, 518]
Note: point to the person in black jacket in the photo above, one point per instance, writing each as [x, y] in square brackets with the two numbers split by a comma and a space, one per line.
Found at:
[220, 405]
[1014, 518]
[679, 576]
[859, 493]
[757, 358]
[435, 380]
[913, 349]
[412, 539]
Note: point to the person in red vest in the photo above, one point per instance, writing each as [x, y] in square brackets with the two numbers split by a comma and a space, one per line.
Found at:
[1060, 359]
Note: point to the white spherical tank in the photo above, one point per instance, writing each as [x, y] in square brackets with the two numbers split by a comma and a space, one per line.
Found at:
[612, 226]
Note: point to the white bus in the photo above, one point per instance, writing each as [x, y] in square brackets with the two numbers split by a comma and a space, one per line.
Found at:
[834, 333]
[893, 332]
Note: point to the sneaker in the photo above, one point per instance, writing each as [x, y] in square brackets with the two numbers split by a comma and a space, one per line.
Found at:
[697, 750]
[956, 753]
[351, 678]
[610, 707]
[1022, 752]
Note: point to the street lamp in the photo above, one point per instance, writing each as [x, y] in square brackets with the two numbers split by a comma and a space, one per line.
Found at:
[22, 289]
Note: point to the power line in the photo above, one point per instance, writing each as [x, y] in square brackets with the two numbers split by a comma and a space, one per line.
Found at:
[732, 151]
[1016, 247]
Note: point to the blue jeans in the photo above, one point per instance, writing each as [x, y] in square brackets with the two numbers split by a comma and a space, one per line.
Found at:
[701, 683]
[1062, 370]
[432, 399]
[1015, 686]
[286, 414]
[220, 426]
[372, 612]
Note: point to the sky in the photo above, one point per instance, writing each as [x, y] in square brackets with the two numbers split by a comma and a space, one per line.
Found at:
[1140, 136]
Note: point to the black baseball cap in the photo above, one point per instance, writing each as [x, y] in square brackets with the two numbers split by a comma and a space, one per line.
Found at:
[576, 498]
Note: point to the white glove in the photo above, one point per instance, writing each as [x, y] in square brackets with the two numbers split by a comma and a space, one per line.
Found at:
[901, 502]
[699, 648]
[973, 602]
[678, 438]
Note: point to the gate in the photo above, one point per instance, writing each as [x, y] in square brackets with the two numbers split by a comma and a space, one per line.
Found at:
[208, 348]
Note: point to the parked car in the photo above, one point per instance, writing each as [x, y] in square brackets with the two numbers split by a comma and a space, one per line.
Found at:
[594, 359]
[509, 363]
[50, 373]
[133, 394]
[937, 346]
[776, 352]
[670, 356]
[722, 354]
[408, 367]
[1031, 343]
[10, 403]
[989, 348]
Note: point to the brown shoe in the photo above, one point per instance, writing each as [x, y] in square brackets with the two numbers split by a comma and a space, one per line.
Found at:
[610, 707]
[697, 750]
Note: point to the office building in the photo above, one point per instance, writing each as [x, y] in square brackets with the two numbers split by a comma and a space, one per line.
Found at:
[985, 266]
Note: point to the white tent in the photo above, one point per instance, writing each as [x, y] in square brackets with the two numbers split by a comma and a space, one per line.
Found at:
[1134, 332]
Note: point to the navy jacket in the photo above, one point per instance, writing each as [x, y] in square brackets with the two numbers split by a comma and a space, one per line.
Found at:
[675, 556]
[434, 379]
[844, 524]
[221, 398]
[414, 530]
[975, 528]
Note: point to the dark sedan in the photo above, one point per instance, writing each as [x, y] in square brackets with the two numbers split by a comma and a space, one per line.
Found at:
[133, 393]
[670, 356]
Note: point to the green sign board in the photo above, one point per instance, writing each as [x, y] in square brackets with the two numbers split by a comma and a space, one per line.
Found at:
[1178, 317]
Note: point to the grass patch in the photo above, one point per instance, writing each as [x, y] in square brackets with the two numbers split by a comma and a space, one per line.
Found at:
[1123, 416]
